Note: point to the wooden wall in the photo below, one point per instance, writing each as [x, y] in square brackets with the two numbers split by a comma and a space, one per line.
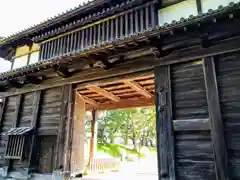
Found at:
[198, 116]
[46, 112]
[228, 78]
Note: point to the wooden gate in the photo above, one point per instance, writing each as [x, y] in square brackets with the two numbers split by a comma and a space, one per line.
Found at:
[190, 100]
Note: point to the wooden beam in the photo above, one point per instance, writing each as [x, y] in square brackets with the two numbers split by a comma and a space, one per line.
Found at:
[61, 130]
[164, 124]
[87, 100]
[34, 147]
[137, 87]
[69, 133]
[123, 104]
[93, 75]
[217, 129]
[104, 93]
[144, 64]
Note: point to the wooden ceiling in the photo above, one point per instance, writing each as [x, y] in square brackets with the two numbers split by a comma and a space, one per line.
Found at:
[122, 94]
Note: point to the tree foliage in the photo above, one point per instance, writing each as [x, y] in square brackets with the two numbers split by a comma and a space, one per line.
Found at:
[136, 124]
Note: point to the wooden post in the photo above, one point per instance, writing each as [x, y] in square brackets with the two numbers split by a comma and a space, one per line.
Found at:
[61, 131]
[93, 123]
[164, 124]
[69, 133]
[34, 148]
[217, 129]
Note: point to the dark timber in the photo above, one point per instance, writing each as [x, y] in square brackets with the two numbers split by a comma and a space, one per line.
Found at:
[34, 148]
[217, 130]
[164, 124]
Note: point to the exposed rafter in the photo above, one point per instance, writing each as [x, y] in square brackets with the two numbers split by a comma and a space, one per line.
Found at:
[104, 93]
[15, 83]
[33, 79]
[137, 87]
[62, 71]
[88, 100]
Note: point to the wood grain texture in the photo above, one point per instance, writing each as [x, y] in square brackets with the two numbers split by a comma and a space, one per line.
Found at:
[164, 124]
[62, 128]
[191, 124]
[219, 147]
[194, 156]
[188, 91]
[228, 78]
[50, 112]
[34, 149]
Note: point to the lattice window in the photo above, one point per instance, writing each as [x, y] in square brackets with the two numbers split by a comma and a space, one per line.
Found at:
[16, 142]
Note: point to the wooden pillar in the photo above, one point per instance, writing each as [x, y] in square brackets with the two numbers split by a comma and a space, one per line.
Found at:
[34, 148]
[69, 132]
[77, 154]
[164, 124]
[92, 144]
[217, 130]
[58, 164]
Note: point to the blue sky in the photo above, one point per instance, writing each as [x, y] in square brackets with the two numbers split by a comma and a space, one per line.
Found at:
[16, 15]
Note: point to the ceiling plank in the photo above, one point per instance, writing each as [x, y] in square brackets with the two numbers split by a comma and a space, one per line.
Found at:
[137, 87]
[88, 100]
[104, 93]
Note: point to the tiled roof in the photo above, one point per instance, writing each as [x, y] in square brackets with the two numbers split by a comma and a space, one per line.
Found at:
[166, 27]
[54, 19]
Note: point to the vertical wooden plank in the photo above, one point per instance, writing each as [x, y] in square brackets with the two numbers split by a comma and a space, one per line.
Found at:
[131, 22]
[126, 24]
[35, 145]
[78, 129]
[141, 19]
[103, 27]
[147, 17]
[121, 26]
[107, 30]
[136, 20]
[90, 36]
[86, 38]
[164, 124]
[99, 34]
[117, 27]
[2, 110]
[61, 130]
[69, 134]
[217, 129]
[112, 29]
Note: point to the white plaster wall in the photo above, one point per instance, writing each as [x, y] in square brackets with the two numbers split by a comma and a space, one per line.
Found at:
[177, 11]
[214, 4]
